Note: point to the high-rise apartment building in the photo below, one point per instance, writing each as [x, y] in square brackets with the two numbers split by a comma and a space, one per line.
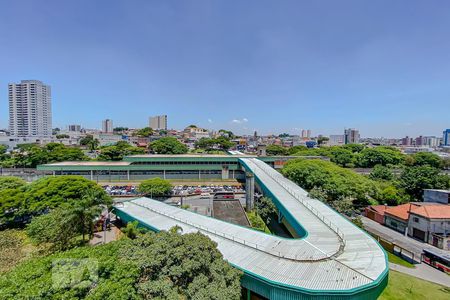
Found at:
[30, 109]
[306, 133]
[74, 128]
[446, 138]
[351, 136]
[158, 122]
[107, 126]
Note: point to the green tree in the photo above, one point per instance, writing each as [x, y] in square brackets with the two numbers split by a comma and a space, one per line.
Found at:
[427, 159]
[11, 182]
[321, 140]
[3, 149]
[380, 172]
[355, 148]
[415, 179]
[59, 228]
[165, 265]
[155, 187]
[144, 132]
[342, 156]
[168, 145]
[90, 142]
[334, 182]
[18, 206]
[266, 209]
[370, 157]
[277, 150]
[62, 136]
[118, 151]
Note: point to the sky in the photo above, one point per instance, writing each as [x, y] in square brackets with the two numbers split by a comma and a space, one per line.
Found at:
[272, 66]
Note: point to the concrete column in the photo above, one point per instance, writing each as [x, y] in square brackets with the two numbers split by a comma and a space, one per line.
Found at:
[164, 174]
[54, 173]
[199, 176]
[225, 172]
[92, 175]
[249, 191]
[128, 175]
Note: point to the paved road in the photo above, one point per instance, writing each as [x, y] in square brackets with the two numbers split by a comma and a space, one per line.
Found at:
[425, 272]
[399, 239]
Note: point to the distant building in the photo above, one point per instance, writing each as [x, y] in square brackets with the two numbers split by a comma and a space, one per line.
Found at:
[336, 139]
[420, 141]
[306, 133]
[446, 138]
[74, 128]
[351, 136]
[196, 133]
[406, 141]
[107, 126]
[431, 141]
[158, 122]
[30, 109]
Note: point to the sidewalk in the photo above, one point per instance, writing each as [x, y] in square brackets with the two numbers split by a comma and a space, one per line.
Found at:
[424, 272]
[101, 236]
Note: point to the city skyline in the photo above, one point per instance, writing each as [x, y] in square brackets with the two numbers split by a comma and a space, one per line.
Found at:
[365, 66]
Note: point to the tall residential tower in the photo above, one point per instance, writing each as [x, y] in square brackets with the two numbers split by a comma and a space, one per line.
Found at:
[30, 108]
[158, 122]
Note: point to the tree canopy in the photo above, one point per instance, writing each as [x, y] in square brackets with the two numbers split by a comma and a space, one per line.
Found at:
[90, 142]
[18, 205]
[118, 151]
[370, 157]
[335, 183]
[144, 132]
[30, 155]
[277, 150]
[155, 187]
[219, 143]
[427, 159]
[168, 145]
[165, 265]
[415, 179]
[11, 182]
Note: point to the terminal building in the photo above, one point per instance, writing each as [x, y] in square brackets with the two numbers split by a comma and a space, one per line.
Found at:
[140, 167]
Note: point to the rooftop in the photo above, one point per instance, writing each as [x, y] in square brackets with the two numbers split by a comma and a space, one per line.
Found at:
[90, 163]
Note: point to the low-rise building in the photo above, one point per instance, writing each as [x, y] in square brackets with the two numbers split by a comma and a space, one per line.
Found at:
[439, 196]
[431, 223]
[376, 213]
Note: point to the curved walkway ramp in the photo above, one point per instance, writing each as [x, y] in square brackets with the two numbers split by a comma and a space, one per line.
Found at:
[333, 259]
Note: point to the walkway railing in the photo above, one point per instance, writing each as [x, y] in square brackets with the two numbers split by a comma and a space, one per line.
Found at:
[258, 247]
[269, 171]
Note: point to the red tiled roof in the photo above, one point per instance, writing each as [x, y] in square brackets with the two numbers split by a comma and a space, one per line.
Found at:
[401, 211]
[379, 208]
[437, 211]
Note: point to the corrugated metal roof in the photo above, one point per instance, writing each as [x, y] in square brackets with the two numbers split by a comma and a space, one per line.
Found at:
[335, 254]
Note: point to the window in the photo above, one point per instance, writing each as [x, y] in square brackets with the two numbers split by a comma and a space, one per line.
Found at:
[416, 220]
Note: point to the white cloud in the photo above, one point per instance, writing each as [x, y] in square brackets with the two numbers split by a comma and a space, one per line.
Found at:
[239, 121]
[210, 121]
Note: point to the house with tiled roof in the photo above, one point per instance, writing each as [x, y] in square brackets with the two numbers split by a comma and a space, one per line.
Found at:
[430, 223]
[397, 217]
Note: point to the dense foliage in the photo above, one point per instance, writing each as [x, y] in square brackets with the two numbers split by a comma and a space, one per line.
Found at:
[90, 142]
[155, 187]
[118, 151]
[18, 205]
[168, 145]
[30, 156]
[335, 182]
[414, 179]
[143, 132]
[10, 182]
[277, 150]
[220, 143]
[166, 265]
